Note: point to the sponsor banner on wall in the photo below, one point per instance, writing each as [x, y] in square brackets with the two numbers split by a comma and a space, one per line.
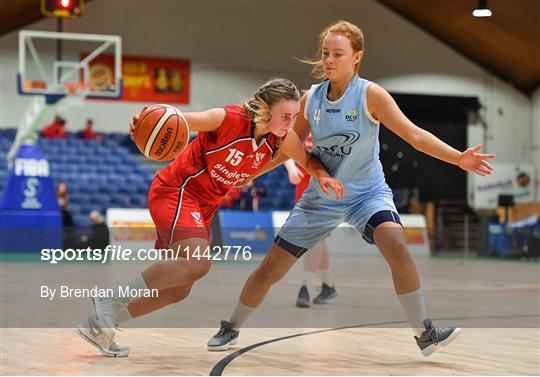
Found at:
[346, 239]
[506, 179]
[131, 227]
[145, 79]
[253, 229]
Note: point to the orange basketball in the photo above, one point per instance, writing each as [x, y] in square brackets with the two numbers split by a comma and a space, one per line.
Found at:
[161, 132]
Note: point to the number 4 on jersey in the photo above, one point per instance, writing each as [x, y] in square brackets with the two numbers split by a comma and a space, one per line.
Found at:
[234, 157]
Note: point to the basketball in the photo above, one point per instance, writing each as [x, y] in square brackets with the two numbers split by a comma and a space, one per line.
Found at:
[161, 132]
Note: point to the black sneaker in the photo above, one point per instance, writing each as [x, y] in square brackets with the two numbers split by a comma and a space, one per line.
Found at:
[225, 337]
[326, 294]
[435, 337]
[303, 297]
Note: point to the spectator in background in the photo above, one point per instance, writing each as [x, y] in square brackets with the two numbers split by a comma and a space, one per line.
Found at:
[88, 133]
[67, 219]
[100, 232]
[56, 129]
[250, 196]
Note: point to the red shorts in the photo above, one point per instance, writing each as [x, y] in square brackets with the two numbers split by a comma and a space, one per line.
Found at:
[178, 214]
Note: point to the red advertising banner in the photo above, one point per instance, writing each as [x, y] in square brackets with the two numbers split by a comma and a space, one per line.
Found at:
[145, 79]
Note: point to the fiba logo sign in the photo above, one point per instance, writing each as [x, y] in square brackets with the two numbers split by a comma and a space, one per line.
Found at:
[30, 167]
[31, 188]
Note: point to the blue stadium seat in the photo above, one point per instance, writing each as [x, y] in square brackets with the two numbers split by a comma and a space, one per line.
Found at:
[143, 188]
[88, 207]
[75, 209]
[99, 199]
[86, 189]
[93, 159]
[127, 189]
[120, 200]
[79, 198]
[138, 201]
[82, 221]
[108, 189]
[134, 179]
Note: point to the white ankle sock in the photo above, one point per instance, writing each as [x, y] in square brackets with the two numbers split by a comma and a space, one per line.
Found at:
[123, 315]
[326, 277]
[415, 310]
[307, 278]
[241, 314]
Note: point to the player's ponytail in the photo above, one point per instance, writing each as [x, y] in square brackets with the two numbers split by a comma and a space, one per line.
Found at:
[259, 107]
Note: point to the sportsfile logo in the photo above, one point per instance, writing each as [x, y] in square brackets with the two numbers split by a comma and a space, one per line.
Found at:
[340, 144]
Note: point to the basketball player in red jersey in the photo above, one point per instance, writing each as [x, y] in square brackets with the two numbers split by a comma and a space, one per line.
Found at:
[317, 260]
[233, 143]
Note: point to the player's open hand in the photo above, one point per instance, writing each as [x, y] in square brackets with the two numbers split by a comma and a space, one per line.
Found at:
[132, 124]
[475, 162]
[334, 184]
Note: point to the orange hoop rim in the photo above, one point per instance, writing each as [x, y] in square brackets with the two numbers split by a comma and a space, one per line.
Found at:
[75, 88]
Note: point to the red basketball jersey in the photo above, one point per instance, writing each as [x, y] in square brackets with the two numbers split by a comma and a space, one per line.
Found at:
[303, 185]
[215, 161]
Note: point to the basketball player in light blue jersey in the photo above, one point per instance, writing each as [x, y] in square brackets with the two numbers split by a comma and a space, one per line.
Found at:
[343, 113]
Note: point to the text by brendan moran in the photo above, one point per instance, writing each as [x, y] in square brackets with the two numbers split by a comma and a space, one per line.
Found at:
[65, 291]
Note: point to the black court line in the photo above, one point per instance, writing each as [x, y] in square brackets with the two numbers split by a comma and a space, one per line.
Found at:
[220, 366]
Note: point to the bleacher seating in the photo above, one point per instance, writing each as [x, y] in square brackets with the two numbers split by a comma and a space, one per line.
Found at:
[103, 174]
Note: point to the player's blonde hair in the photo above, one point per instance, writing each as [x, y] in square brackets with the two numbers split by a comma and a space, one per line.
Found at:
[259, 107]
[345, 28]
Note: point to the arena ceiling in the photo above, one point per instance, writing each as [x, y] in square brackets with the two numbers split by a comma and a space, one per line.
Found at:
[507, 44]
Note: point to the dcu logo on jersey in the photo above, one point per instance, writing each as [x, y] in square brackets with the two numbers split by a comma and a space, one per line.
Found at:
[351, 115]
[341, 144]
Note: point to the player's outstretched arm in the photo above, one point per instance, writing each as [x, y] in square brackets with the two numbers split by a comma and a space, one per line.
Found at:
[294, 148]
[382, 106]
[208, 120]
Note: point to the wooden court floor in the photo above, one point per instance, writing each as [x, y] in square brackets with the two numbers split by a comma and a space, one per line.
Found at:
[495, 303]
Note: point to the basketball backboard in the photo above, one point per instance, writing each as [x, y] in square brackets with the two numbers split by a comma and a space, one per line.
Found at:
[42, 73]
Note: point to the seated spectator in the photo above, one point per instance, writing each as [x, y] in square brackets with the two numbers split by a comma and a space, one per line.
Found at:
[88, 133]
[99, 236]
[67, 219]
[100, 233]
[250, 196]
[56, 129]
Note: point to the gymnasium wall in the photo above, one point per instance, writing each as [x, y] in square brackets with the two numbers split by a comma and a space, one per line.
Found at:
[536, 138]
[235, 46]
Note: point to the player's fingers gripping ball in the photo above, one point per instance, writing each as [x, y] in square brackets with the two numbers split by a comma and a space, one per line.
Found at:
[160, 132]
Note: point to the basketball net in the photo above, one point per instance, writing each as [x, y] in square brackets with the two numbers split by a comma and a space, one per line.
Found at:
[76, 93]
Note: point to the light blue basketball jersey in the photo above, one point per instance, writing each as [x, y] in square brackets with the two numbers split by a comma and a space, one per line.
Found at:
[345, 137]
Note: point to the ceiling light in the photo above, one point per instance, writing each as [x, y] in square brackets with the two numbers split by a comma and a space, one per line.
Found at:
[482, 9]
